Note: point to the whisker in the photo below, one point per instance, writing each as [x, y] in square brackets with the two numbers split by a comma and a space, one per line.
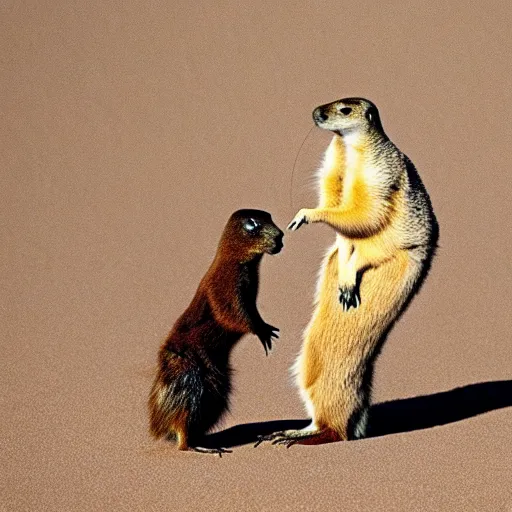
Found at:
[295, 164]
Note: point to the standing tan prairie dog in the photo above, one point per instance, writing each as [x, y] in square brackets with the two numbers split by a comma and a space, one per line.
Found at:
[386, 234]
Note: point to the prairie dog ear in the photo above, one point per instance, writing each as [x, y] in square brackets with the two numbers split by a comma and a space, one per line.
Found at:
[372, 115]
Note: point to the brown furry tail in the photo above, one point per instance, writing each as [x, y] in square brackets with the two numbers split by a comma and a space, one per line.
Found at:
[187, 398]
[175, 400]
[160, 421]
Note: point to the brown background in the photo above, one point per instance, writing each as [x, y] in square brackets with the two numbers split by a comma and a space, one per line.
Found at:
[130, 131]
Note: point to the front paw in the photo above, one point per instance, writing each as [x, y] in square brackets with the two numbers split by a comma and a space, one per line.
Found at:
[303, 217]
[265, 335]
[349, 297]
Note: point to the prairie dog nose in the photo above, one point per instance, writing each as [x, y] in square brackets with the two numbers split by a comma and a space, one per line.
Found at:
[319, 116]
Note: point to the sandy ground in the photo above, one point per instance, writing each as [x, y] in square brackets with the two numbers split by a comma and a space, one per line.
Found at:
[130, 131]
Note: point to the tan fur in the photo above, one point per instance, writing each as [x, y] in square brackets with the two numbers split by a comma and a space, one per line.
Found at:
[386, 232]
[338, 344]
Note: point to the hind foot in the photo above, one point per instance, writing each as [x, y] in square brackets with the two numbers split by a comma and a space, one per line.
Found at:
[349, 297]
[291, 437]
[215, 451]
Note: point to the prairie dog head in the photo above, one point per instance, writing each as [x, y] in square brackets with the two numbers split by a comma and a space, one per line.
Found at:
[348, 116]
[253, 232]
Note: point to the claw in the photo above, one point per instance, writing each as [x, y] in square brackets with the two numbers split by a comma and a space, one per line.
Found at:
[349, 298]
[277, 438]
[269, 437]
[283, 440]
[266, 334]
[260, 440]
[296, 224]
[215, 451]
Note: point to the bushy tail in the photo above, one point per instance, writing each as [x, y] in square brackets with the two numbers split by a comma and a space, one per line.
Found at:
[160, 416]
[174, 401]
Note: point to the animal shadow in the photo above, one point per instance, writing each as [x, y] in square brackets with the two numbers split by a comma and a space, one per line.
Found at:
[393, 417]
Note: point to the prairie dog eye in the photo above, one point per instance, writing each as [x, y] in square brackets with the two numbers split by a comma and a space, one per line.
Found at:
[345, 111]
[251, 225]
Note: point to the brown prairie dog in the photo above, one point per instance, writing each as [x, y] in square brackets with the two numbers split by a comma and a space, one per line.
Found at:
[191, 389]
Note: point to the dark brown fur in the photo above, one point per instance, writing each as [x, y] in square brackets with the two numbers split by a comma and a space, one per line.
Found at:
[191, 390]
